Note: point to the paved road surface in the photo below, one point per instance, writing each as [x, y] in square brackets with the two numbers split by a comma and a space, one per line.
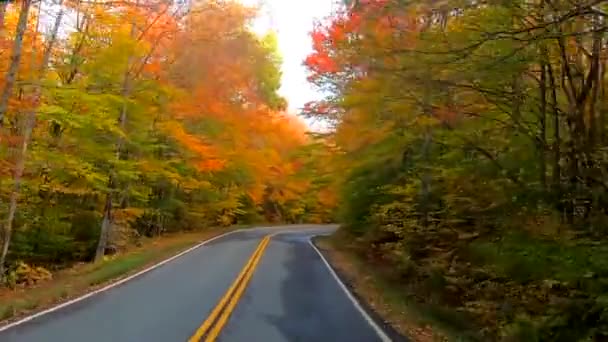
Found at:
[292, 296]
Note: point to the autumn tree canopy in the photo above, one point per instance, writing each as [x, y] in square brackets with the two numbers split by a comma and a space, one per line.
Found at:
[139, 118]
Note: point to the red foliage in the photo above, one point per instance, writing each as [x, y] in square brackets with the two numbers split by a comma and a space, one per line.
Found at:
[321, 63]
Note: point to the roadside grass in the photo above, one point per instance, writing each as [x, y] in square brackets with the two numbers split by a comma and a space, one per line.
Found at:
[83, 278]
[419, 323]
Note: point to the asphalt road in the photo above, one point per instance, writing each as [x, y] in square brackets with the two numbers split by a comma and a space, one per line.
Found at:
[292, 296]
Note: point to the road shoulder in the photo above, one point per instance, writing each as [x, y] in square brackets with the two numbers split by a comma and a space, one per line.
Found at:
[366, 286]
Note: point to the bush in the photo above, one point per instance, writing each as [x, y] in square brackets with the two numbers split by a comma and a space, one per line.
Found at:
[149, 224]
[85, 229]
[43, 247]
[26, 275]
[56, 242]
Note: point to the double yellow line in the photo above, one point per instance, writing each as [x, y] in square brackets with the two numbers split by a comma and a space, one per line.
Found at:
[226, 305]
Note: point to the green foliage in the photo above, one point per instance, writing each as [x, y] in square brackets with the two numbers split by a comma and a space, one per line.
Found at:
[362, 191]
[269, 72]
[472, 145]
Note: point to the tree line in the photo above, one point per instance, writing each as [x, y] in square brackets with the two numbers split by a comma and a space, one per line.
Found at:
[120, 120]
[475, 137]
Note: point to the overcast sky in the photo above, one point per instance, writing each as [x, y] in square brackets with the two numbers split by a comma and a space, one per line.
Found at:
[293, 20]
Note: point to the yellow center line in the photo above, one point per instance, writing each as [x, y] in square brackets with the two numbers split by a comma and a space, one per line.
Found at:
[236, 289]
[214, 333]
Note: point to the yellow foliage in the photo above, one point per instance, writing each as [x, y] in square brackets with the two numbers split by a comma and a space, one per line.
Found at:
[28, 275]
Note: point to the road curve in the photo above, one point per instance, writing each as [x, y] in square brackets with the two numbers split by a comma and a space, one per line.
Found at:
[292, 296]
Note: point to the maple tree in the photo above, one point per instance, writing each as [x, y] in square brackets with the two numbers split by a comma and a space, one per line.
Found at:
[140, 118]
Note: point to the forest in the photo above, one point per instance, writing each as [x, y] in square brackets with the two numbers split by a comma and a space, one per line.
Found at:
[472, 143]
[465, 148]
[121, 120]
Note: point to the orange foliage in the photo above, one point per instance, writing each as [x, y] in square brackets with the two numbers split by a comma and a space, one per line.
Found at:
[206, 156]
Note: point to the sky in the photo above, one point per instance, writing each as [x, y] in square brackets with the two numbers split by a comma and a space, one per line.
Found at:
[292, 20]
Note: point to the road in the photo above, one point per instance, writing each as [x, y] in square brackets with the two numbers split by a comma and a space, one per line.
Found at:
[290, 295]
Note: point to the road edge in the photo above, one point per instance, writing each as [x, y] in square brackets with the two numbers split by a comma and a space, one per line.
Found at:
[6, 326]
[382, 329]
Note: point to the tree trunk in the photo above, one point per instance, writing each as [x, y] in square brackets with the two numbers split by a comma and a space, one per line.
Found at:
[8, 226]
[22, 154]
[595, 79]
[601, 120]
[105, 227]
[277, 211]
[517, 98]
[426, 150]
[542, 136]
[11, 74]
[106, 223]
[556, 130]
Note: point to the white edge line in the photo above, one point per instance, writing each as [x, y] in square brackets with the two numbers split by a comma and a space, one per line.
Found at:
[112, 285]
[381, 334]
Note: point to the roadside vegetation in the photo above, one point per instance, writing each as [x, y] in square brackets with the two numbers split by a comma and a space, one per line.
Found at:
[374, 288]
[125, 121]
[38, 293]
[471, 142]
